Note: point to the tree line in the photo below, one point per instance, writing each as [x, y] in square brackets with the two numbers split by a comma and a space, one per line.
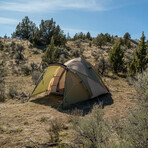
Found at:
[48, 33]
[40, 36]
[139, 62]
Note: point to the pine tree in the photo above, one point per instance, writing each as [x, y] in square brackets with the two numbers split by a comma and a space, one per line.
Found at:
[140, 59]
[24, 29]
[88, 36]
[141, 55]
[49, 51]
[126, 37]
[116, 57]
[55, 55]
[48, 29]
[50, 55]
[100, 40]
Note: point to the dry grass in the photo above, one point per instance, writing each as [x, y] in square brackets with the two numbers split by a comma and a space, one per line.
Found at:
[21, 121]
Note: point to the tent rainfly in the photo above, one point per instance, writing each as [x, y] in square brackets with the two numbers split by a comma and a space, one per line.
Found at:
[76, 80]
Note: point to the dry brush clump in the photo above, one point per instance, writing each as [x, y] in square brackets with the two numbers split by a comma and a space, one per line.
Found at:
[26, 70]
[141, 85]
[102, 65]
[12, 92]
[133, 131]
[2, 82]
[75, 53]
[35, 76]
[92, 131]
[56, 127]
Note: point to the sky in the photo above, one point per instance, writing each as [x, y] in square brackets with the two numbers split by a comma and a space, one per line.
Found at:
[115, 17]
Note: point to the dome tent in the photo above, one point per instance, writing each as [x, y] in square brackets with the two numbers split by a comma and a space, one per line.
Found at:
[76, 80]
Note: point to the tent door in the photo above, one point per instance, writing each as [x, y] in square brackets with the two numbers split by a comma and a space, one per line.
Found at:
[56, 85]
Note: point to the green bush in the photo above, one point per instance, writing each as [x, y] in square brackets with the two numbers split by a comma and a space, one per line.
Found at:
[128, 44]
[93, 131]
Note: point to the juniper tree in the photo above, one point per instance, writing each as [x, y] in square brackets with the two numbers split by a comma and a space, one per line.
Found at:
[24, 29]
[51, 54]
[100, 40]
[47, 58]
[48, 29]
[126, 37]
[141, 55]
[140, 59]
[88, 36]
[116, 57]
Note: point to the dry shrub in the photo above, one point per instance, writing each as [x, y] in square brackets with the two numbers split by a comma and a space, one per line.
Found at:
[35, 52]
[93, 131]
[2, 91]
[2, 82]
[19, 52]
[56, 126]
[35, 76]
[102, 65]
[75, 53]
[13, 92]
[75, 116]
[96, 54]
[133, 131]
[141, 85]
[62, 59]
[26, 70]
[33, 66]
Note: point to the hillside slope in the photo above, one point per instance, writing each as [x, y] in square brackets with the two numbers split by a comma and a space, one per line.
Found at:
[25, 123]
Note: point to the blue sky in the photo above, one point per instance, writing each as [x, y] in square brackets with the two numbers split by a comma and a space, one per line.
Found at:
[112, 16]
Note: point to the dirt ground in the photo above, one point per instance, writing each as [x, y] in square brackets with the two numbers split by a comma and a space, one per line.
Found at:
[22, 123]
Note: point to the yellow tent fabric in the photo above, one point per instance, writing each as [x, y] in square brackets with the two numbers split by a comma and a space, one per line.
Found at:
[43, 84]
